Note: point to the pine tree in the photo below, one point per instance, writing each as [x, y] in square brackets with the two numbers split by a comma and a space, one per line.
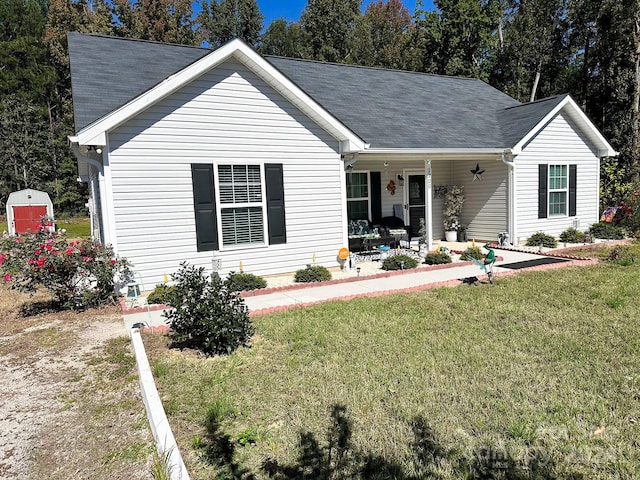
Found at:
[283, 39]
[379, 34]
[329, 27]
[230, 19]
[159, 20]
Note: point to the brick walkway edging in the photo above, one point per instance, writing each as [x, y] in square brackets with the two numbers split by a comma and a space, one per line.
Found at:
[165, 441]
[428, 286]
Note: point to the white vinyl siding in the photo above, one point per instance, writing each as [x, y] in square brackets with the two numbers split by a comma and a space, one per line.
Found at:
[486, 207]
[560, 142]
[228, 116]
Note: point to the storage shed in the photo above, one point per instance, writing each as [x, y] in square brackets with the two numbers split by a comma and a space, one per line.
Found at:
[27, 210]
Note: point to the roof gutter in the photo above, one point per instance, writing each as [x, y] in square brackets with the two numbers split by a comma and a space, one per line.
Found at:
[436, 153]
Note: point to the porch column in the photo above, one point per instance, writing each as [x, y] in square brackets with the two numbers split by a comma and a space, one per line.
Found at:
[428, 206]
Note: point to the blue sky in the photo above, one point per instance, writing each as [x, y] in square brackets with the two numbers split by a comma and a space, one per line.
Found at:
[291, 9]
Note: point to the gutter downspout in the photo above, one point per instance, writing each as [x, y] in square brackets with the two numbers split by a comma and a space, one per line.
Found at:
[508, 159]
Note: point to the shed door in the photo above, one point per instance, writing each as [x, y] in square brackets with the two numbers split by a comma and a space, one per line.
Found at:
[27, 218]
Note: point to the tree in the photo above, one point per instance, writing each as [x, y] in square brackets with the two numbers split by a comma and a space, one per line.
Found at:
[328, 27]
[283, 39]
[379, 34]
[536, 49]
[230, 19]
[159, 20]
[24, 145]
[468, 30]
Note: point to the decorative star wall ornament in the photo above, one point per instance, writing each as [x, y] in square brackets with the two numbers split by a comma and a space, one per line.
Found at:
[477, 173]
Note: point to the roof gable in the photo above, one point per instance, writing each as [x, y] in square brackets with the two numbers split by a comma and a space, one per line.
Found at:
[95, 133]
[522, 123]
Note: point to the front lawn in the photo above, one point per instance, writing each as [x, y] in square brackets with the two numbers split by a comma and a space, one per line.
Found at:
[537, 376]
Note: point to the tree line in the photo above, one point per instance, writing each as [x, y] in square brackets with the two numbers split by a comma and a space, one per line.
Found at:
[529, 49]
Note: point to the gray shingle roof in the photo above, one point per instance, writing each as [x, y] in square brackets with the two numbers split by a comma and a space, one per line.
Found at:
[107, 72]
[394, 109]
[386, 108]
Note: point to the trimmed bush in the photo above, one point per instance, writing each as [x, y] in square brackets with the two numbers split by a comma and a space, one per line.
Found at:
[572, 235]
[399, 262]
[161, 294]
[437, 258]
[240, 282]
[208, 315]
[472, 252]
[315, 273]
[541, 238]
[606, 231]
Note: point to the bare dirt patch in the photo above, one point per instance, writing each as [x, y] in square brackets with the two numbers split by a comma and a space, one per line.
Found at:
[71, 406]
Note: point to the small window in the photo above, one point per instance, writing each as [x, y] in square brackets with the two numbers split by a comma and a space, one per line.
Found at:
[357, 195]
[241, 206]
[558, 190]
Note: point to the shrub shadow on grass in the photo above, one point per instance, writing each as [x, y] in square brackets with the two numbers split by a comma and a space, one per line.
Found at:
[338, 459]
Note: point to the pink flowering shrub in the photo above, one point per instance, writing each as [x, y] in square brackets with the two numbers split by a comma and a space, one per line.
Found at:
[628, 215]
[78, 274]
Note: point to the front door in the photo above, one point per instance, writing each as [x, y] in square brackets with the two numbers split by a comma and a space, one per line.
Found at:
[415, 200]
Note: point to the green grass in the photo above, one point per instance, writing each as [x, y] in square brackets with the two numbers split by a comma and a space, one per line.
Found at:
[76, 227]
[503, 381]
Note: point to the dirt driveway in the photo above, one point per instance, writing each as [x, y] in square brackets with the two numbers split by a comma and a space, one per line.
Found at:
[70, 404]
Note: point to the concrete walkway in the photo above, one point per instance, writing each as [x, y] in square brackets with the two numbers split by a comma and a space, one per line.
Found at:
[409, 280]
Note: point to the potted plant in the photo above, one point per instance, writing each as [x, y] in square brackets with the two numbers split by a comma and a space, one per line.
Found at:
[453, 201]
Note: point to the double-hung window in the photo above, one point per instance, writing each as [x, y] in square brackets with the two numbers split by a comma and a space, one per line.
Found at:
[357, 195]
[558, 190]
[241, 204]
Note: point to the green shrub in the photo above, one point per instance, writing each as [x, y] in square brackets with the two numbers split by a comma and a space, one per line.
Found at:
[472, 252]
[315, 273]
[541, 238]
[608, 231]
[437, 258]
[78, 274]
[246, 281]
[572, 235]
[208, 315]
[161, 294]
[621, 255]
[399, 262]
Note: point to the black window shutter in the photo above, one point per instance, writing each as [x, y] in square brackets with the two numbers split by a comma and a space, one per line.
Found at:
[573, 170]
[376, 197]
[275, 203]
[204, 203]
[542, 191]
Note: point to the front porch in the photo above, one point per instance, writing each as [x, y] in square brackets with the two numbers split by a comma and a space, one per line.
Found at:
[381, 188]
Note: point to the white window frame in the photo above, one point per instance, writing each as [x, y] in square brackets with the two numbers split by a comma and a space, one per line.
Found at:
[359, 199]
[220, 206]
[564, 190]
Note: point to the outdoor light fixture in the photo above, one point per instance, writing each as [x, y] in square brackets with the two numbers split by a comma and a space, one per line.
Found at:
[84, 149]
[133, 291]
[358, 270]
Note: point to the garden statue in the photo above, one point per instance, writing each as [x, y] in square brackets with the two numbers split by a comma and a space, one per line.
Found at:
[487, 263]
